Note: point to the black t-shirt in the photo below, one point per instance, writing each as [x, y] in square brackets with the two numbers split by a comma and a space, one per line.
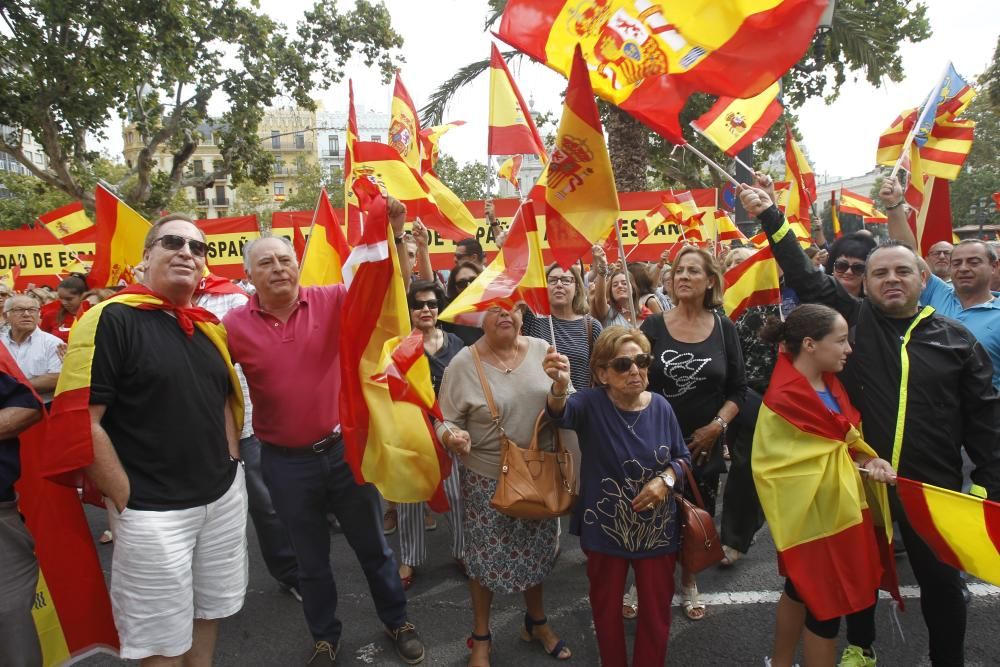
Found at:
[439, 360]
[467, 334]
[13, 394]
[165, 395]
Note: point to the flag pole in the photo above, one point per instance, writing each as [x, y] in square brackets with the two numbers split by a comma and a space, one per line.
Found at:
[707, 160]
[735, 157]
[628, 280]
[905, 151]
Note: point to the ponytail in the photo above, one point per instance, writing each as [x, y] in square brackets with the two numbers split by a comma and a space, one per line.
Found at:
[810, 320]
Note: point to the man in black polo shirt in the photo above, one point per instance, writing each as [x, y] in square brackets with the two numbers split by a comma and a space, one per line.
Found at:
[165, 449]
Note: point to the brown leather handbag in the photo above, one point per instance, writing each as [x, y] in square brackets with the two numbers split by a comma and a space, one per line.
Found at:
[533, 484]
[700, 544]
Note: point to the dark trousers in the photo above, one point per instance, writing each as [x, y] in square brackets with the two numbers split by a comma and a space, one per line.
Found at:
[275, 545]
[941, 601]
[304, 488]
[19, 645]
[742, 515]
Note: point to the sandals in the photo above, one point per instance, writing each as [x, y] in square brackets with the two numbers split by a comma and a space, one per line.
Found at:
[694, 608]
[560, 651]
[730, 556]
[408, 580]
[390, 521]
[630, 605]
[470, 642]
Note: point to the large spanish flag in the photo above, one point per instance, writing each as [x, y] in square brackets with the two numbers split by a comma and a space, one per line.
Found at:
[753, 282]
[516, 275]
[801, 179]
[647, 58]
[855, 204]
[581, 202]
[352, 211]
[733, 124]
[66, 220]
[120, 236]
[404, 125]
[962, 530]
[327, 249]
[831, 528]
[512, 130]
[387, 442]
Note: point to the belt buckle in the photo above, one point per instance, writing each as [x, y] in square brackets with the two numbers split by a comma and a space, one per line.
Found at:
[321, 446]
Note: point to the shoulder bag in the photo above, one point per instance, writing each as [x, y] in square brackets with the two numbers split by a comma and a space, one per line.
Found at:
[700, 544]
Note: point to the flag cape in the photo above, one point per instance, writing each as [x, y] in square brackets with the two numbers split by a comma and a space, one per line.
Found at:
[753, 282]
[352, 212]
[648, 58]
[327, 249]
[66, 220]
[581, 202]
[512, 130]
[855, 204]
[962, 530]
[831, 528]
[72, 610]
[225, 238]
[119, 245]
[801, 179]
[510, 169]
[389, 443]
[516, 275]
[733, 124]
[404, 125]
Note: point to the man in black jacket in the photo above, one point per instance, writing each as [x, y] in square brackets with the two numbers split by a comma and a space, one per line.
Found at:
[923, 385]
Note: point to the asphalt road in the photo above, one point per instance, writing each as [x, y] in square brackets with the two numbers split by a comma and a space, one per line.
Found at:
[270, 630]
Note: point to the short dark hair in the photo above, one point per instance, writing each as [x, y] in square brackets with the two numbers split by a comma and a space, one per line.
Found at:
[850, 245]
[991, 252]
[889, 244]
[74, 284]
[472, 247]
[153, 232]
[418, 286]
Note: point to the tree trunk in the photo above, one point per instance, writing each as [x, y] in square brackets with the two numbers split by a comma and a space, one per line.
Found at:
[627, 145]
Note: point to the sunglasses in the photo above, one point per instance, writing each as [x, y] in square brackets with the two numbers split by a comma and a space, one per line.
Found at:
[561, 280]
[843, 266]
[464, 282]
[174, 242]
[624, 364]
[430, 304]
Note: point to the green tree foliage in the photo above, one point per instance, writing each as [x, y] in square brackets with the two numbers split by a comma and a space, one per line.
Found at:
[469, 181]
[68, 68]
[26, 198]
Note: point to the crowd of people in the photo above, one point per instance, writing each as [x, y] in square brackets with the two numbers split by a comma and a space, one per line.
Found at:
[637, 371]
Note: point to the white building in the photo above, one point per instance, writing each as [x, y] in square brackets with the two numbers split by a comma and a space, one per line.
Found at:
[331, 134]
[859, 185]
[32, 150]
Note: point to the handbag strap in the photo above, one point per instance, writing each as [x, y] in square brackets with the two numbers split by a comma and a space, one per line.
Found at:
[494, 414]
[691, 483]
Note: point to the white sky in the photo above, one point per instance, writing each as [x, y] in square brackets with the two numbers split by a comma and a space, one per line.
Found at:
[440, 36]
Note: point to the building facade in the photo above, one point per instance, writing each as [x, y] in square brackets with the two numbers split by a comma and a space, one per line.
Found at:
[32, 150]
[331, 135]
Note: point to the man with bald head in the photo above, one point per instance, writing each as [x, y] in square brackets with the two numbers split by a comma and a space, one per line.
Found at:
[939, 259]
[287, 341]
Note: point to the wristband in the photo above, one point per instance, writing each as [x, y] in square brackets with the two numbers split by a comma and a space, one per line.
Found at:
[553, 394]
[902, 200]
[399, 239]
[722, 422]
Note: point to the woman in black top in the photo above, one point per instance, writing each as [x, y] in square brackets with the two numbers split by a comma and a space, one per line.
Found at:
[463, 275]
[698, 368]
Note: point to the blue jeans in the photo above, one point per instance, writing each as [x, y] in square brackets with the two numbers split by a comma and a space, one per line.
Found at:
[304, 487]
[275, 545]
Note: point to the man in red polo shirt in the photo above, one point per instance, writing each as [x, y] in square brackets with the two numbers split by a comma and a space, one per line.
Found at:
[58, 316]
[287, 340]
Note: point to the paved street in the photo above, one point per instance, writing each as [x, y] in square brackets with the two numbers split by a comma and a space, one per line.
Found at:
[737, 630]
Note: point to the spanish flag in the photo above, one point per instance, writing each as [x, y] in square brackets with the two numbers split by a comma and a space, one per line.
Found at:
[753, 282]
[733, 124]
[66, 220]
[962, 530]
[648, 58]
[684, 212]
[835, 219]
[581, 202]
[512, 130]
[516, 275]
[855, 204]
[510, 169]
[801, 179]
[326, 250]
[352, 212]
[430, 139]
[121, 233]
[387, 442]
[404, 125]
[726, 229]
[452, 218]
[831, 528]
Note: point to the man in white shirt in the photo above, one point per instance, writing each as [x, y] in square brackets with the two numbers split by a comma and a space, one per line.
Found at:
[36, 352]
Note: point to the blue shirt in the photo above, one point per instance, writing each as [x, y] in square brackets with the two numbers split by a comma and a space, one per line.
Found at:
[983, 320]
[829, 400]
[616, 463]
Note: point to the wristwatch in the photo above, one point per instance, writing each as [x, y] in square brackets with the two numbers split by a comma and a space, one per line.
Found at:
[667, 479]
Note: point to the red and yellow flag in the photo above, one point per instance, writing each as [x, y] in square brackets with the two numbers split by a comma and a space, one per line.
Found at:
[121, 233]
[66, 220]
[834, 217]
[753, 282]
[352, 212]
[725, 229]
[931, 223]
[404, 125]
[855, 204]
[226, 238]
[451, 218]
[801, 179]
[733, 124]
[823, 516]
[516, 275]
[581, 202]
[946, 147]
[962, 530]
[430, 139]
[326, 250]
[512, 130]
[510, 169]
[648, 58]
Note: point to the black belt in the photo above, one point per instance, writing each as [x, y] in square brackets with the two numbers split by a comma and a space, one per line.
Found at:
[318, 447]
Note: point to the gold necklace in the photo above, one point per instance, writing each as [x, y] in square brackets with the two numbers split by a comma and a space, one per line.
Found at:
[506, 369]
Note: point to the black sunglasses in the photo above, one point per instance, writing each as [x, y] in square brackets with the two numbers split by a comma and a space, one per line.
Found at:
[624, 364]
[843, 266]
[174, 242]
[430, 304]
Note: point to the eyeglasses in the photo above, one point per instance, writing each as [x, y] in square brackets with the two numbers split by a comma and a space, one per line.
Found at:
[430, 304]
[496, 310]
[22, 311]
[942, 253]
[561, 280]
[173, 242]
[464, 282]
[843, 266]
[624, 364]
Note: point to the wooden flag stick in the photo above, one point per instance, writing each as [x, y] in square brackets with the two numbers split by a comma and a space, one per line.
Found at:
[711, 163]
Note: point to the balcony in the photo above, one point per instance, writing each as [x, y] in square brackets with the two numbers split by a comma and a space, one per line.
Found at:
[202, 203]
[329, 153]
[219, 174]
[284, 170]
[221, 203]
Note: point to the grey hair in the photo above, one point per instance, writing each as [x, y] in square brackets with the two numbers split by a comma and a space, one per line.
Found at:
[248, 247]
[8, 305]
[991, 252]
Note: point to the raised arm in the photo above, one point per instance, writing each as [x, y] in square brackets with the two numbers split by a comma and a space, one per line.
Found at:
[599, 297]
[422, 238]
[397, 218]
[891, 194]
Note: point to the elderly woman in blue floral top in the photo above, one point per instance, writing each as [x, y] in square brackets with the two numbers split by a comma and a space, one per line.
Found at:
[626, 515]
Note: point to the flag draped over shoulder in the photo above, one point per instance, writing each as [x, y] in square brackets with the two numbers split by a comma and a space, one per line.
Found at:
[119, 245]
[831, 528]
[389, 443]
[327, 249]
[581, 202]
[512, 130]
[733, 124]
[801, 180]
[66, 220]
[962, 530]
[752, 282]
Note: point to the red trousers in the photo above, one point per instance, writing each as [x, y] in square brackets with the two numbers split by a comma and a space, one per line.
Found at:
[654, 580]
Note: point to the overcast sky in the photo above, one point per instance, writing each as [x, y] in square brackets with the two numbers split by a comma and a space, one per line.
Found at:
[440, 36]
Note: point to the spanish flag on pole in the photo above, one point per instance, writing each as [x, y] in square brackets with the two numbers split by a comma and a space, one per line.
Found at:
[834, 217]
[831, 528]
[512, 130]
[66, 220]
[855, 204]
[387, 442]
[510, 169]
[581, 202]
[725, 229]
[753, 282]
[404, 125]
[516, 275]
[121, 233]
[801, 179]
[733, 124]
[352, 212]
[430, 139]
[648, 58]
[327, 249]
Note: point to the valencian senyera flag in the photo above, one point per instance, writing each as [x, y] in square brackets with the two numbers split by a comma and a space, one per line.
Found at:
[72, 610]
[388, 440]
[752, 282]
[830, 525]
[648, 58]
[512, 130]
[326, 250]
[733, 124]
[516, 275]
[118, 249]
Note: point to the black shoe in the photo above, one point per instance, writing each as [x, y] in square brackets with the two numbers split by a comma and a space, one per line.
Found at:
[409, 647]
[324, 653]
[292, 590]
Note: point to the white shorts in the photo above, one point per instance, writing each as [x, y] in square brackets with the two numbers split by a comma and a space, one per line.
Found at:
[172, 567]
